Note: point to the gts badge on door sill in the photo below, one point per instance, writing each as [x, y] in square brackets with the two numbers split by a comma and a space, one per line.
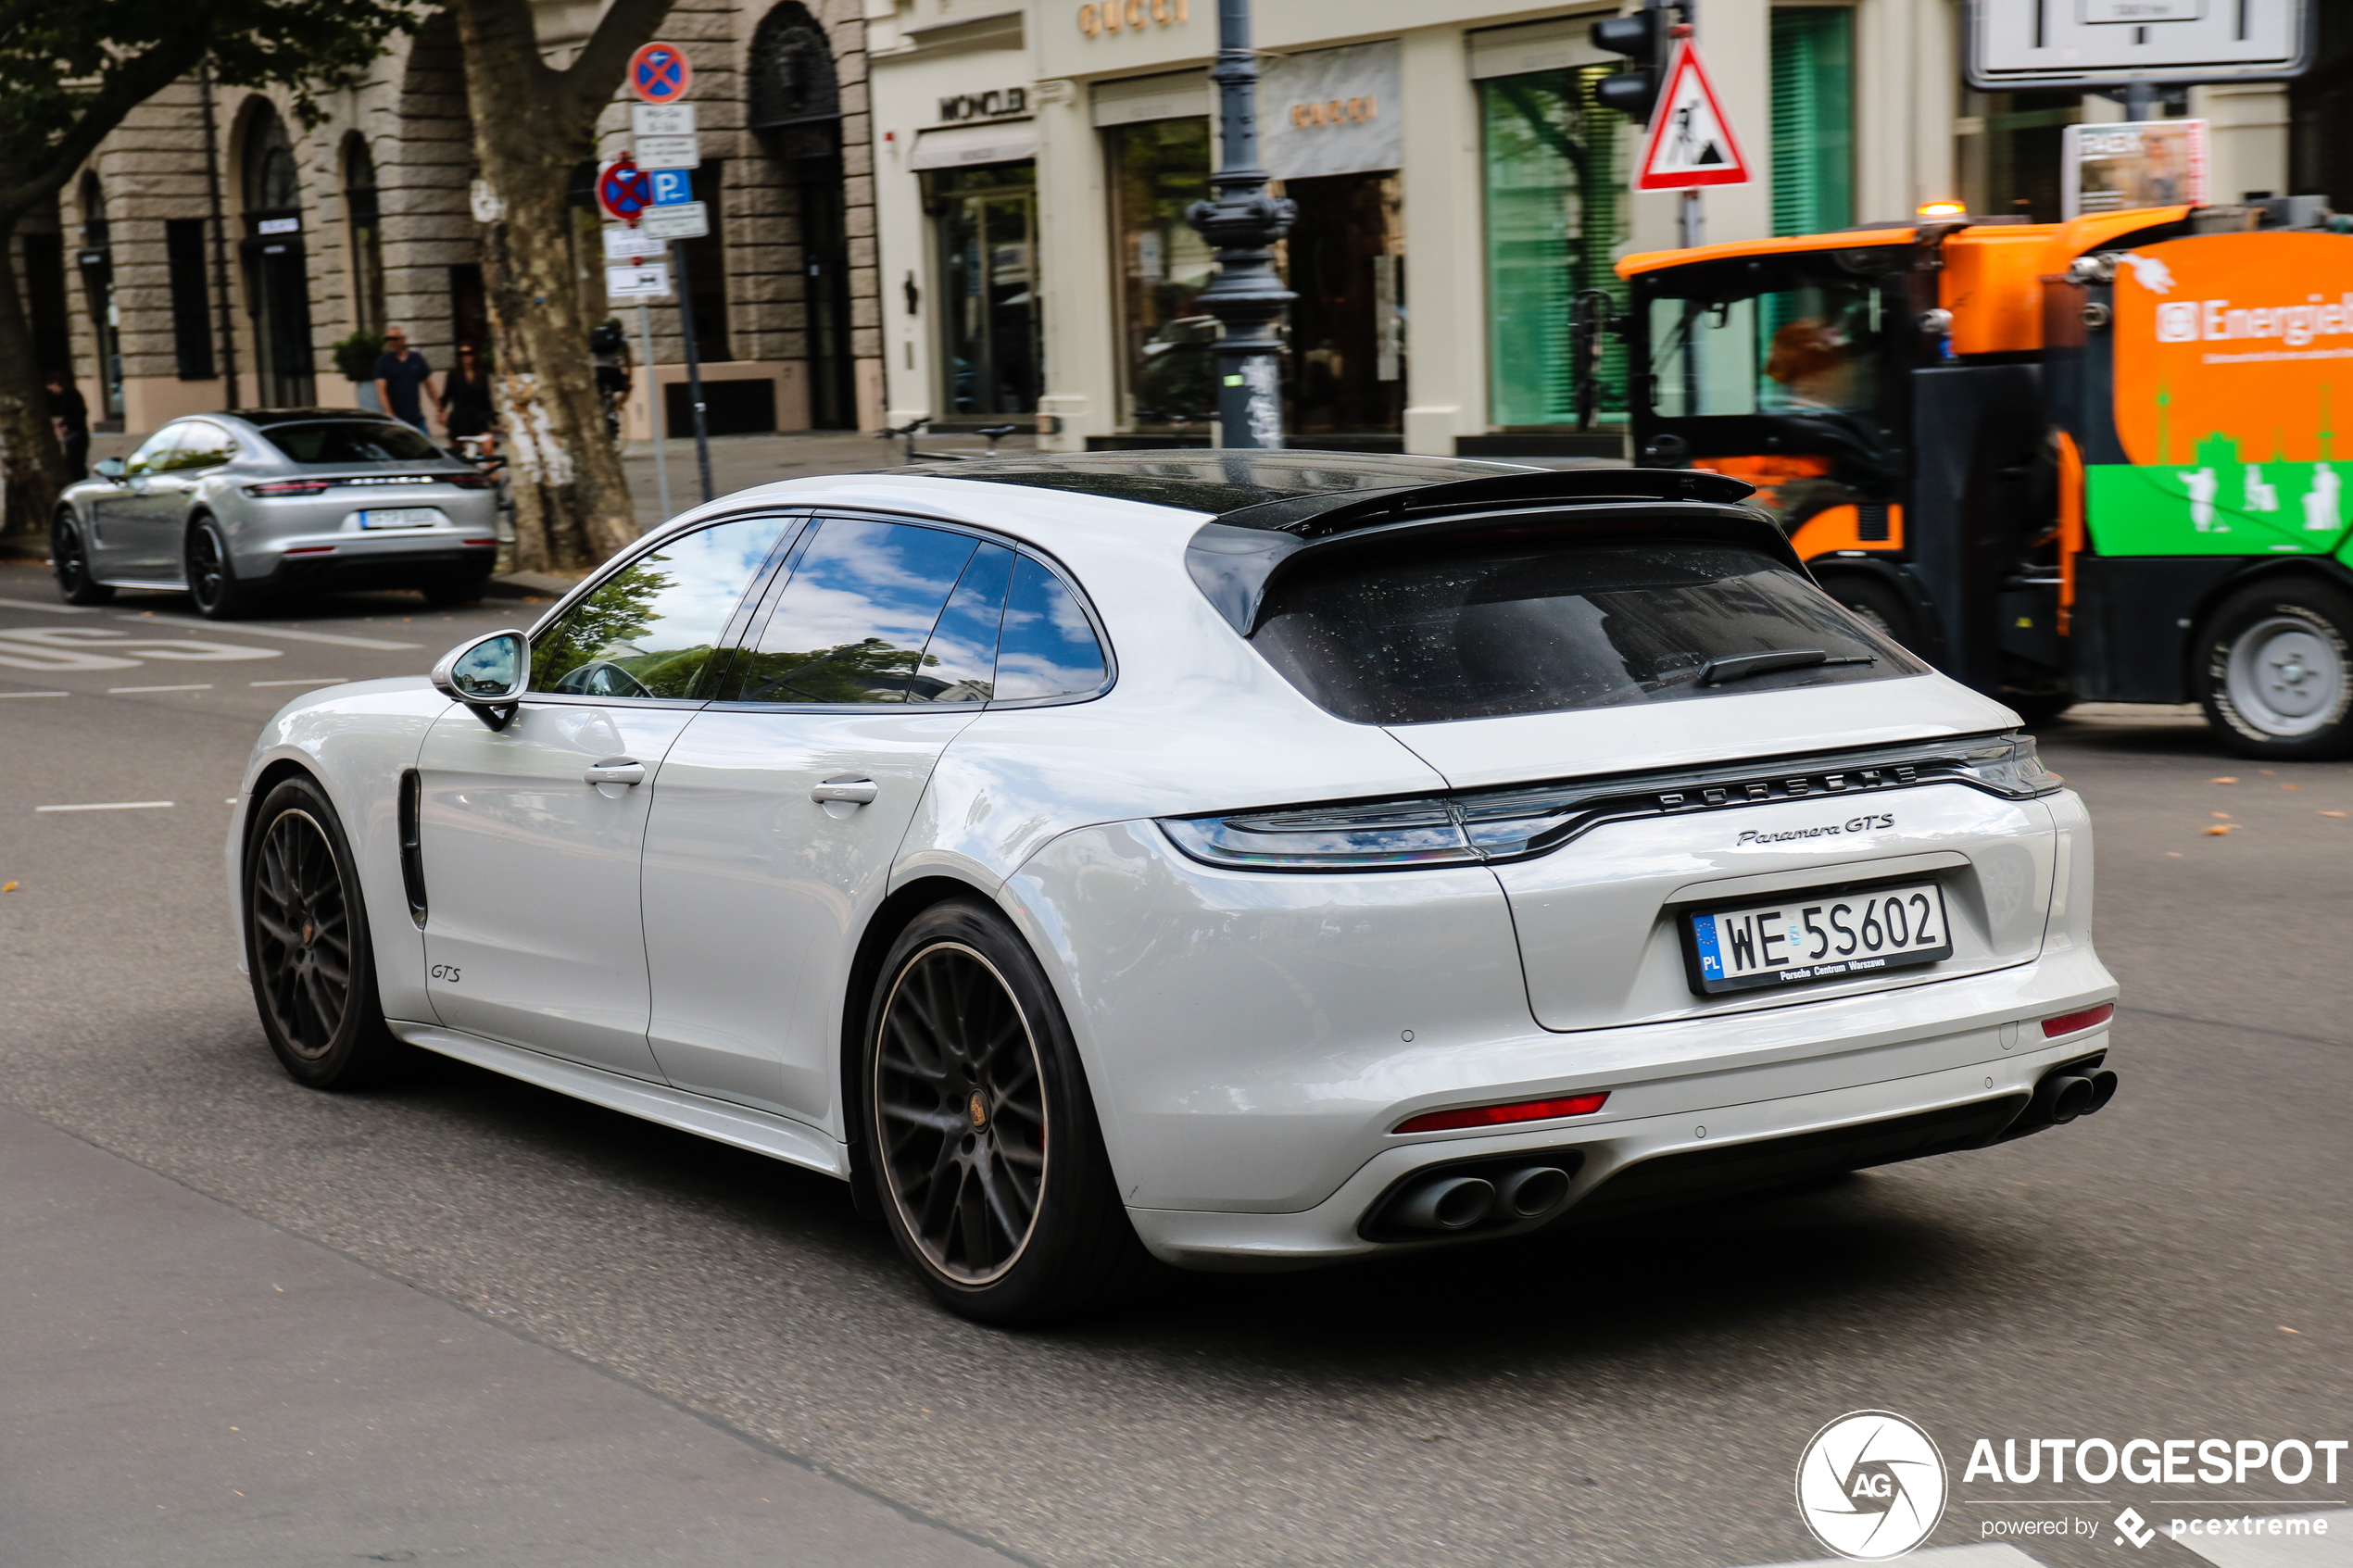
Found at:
[445, 972]
[1875, 823]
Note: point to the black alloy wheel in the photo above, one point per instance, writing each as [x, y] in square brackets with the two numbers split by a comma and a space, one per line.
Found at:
[69, 558]
[983, 1139]
[212, 576]
[307, 944]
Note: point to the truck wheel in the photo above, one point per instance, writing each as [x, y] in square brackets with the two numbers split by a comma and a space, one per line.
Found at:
[1879, 604]
[2274, 671]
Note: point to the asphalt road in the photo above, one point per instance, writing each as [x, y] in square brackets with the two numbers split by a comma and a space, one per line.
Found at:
[1635, 1395]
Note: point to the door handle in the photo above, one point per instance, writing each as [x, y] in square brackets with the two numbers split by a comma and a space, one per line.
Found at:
[854, 791]
[616, 771]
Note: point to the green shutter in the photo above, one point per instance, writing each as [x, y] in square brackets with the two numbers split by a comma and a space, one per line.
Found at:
[1813, 119]
[1556, 217]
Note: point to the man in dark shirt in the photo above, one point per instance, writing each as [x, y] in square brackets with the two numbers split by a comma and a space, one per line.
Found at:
[72, 415]
[401, 376]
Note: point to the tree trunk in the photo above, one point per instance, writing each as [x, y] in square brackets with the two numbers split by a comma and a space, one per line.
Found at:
[572, 500]
[32, 464]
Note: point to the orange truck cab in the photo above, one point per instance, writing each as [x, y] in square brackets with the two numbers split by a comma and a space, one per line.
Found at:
[2093, 460]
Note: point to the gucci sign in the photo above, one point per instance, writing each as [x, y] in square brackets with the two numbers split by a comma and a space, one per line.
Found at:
[1338, 111]
[1130, 16]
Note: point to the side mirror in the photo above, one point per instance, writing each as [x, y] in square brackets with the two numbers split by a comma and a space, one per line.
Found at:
[108, 468]
[489, 675]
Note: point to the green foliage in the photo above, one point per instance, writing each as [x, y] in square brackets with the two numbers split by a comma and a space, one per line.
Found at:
[605, 625]
[356, 356]
[74, 71]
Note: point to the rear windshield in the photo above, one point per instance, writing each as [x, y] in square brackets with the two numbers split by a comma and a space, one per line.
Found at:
[351, 441]
[1473, 633]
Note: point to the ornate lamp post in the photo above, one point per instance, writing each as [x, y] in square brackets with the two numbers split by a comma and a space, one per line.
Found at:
[1244, 223]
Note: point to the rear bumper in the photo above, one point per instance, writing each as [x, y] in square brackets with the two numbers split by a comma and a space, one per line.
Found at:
[385, 562]
[1728, 1146]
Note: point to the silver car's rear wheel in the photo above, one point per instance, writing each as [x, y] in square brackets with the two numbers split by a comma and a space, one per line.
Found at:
[962, 1107]
[212, 574]
[980, 1136]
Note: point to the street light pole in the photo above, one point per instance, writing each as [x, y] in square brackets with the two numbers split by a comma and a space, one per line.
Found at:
[1247, 296]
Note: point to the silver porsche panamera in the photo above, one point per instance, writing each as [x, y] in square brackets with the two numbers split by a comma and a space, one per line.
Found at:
[238, 507]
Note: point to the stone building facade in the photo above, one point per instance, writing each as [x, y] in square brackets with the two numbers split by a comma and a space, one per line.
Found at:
[188, 267]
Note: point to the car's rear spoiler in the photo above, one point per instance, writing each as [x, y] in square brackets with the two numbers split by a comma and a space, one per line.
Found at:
[1234, 559]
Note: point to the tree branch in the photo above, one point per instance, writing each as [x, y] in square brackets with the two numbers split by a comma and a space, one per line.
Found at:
[594, 73]
[125, 88]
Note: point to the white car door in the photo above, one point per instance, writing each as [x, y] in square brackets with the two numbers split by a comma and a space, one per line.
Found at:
[783, 805]
[531, 835]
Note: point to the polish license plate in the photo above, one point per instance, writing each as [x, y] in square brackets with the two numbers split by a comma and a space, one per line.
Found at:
[400, 517]
[1811, 936]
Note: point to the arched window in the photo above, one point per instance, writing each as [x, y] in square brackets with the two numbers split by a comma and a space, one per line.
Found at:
[793, 81]
[364, 214]
[271, 181]
[796, 107]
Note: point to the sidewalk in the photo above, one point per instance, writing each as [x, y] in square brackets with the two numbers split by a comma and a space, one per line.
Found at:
[185, 1384]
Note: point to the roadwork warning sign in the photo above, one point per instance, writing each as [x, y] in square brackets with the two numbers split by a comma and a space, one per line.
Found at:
[1691, 140]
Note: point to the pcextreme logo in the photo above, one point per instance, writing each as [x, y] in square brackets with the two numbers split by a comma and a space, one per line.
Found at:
[1872, 1486]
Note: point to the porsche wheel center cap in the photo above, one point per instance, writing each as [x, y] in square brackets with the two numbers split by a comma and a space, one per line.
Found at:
[979, 1112]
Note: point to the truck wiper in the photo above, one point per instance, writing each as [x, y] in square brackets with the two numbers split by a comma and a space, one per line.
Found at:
[1740, 666]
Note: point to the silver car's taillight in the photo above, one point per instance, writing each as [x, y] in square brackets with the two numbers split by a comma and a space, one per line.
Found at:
[2010, 767]
[1494, 826]
[1395, 832]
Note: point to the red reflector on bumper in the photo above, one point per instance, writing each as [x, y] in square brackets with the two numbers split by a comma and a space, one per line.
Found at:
[1500, 1115]
[2072, 1022]
[312, 550]
[482, 544]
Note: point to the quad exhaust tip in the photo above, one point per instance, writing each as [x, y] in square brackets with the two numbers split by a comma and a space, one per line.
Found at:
[1457, 1202]
[2064, 1095]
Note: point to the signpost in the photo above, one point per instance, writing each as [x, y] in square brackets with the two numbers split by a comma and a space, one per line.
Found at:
[2016, 44]
[652, 193]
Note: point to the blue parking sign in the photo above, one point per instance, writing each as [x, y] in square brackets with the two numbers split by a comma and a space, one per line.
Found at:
[672, 187]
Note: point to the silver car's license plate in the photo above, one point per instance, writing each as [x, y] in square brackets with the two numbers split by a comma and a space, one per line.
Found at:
[400, 517]
[1815, 935]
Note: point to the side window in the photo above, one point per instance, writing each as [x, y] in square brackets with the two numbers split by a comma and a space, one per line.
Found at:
[852, 624]
[203, 447]
[650, 630]
[1047, 648]
[960, 662]
[154, 455]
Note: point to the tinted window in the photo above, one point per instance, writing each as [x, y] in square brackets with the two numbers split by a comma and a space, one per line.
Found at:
[351, 441]
[1047, 648]
[155, 453]
[853, 621]
[960, 662]
[203, 447]
[1475, 633]
[649, 630]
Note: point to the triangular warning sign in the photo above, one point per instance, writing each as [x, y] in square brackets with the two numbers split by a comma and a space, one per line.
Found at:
[1691, 141]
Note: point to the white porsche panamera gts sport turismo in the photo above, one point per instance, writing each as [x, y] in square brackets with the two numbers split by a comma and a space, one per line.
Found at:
[1251, 860]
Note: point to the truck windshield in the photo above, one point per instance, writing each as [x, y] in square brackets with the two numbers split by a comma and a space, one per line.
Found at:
[1810, 347]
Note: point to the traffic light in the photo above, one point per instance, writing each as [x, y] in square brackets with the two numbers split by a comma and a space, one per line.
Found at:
[1644, 39]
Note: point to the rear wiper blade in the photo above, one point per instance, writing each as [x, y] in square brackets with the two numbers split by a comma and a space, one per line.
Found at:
[1740, 666]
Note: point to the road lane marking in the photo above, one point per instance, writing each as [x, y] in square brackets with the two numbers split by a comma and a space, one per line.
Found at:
[314, 681]
[34, 694]
[248, 627]
[50, 609]
[117, 691]
[110, 806]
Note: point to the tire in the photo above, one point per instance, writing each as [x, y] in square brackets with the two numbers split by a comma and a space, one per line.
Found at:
[2273, 670]
[306, 945]
[212, 574]
[1879, 604]
[69, 558]
[982, 1142]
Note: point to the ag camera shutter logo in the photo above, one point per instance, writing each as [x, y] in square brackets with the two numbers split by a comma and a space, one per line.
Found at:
[1872, 1486]
[2177, 322]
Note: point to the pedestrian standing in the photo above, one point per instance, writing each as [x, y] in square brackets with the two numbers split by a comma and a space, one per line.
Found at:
[609, 351]
[469, 410]
[404, 380]
[71, 413]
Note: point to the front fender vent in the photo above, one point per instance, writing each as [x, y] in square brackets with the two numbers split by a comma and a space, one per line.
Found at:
[412, 850]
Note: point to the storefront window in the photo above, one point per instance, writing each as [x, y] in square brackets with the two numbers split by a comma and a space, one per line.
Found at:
[1344, 259]
[1555, 175]
[988, 228]
[1159, 169]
